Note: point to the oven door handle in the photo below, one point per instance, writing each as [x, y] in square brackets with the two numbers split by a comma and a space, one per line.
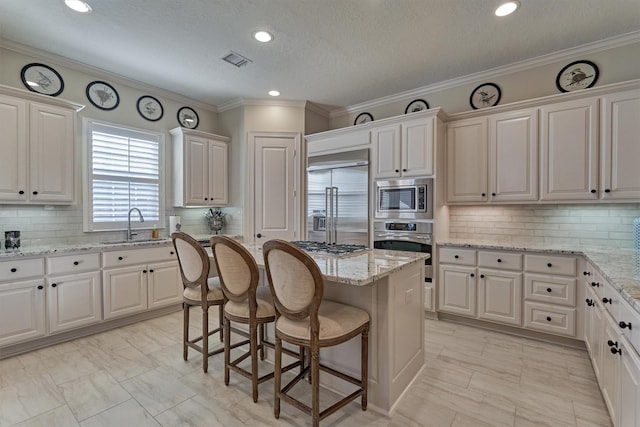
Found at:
[404, 238]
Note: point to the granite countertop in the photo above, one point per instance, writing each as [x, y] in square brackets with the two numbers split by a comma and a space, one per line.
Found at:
[616, 265]
[358, 268]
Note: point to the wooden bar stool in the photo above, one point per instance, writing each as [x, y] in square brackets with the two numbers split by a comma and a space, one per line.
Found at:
[199, 290]
[245, 303]
[303, 318]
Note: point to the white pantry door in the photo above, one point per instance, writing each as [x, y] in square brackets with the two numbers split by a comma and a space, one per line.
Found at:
[275, 186]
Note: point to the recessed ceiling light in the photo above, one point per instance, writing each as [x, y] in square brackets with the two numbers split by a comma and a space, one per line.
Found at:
[274, 93]
[78, 5]
[507, 8]
[263, 36]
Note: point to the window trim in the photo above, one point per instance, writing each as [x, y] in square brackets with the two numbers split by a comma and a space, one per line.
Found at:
[87, 181]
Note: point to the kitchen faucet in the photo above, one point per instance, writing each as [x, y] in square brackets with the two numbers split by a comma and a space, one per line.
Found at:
[129, 233]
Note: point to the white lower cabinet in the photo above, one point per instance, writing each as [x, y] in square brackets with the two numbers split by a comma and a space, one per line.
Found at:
[22, 311]
[609, 382]
[74, 301]
[125, 291]
[593, 328]
[164, 284]
[629, 399]
[500, 296]
[457, 290]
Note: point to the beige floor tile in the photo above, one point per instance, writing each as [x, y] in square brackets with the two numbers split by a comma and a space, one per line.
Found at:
[123, 362]
[158, 390]
[193, 413]
[528, 418]
[591, 415]
[539, 381]
[105, 341]
[128, 413]
[28, 398]
[59, 417]
[414, 408]
[92, 394]
[462, 420]
[444, 372]
[71, 366]
[211, 387]
[509, 370]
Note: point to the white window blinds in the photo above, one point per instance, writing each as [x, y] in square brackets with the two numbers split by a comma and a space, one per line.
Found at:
[124, 172]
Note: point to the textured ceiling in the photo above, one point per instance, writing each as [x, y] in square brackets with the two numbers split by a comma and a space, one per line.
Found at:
[332, 52]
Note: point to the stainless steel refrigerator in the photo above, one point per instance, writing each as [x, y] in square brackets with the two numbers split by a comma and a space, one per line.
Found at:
[338, 198]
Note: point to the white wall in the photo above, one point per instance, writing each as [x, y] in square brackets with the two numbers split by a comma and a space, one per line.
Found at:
[595, 225]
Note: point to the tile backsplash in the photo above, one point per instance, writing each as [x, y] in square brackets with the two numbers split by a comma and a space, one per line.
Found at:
[596, 225]
[63, 225]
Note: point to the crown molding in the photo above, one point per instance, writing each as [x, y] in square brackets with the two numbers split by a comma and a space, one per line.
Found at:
[312, 106]
[261, 102]
[106, 75]
[610, 43]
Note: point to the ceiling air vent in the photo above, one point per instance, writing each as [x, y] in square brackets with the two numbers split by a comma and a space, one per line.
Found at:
[236, 59]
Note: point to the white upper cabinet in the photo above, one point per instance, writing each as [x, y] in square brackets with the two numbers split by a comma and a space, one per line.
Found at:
[200, 168]
[467, 161]
[404, 149]
[620, 145]
[513, 156]
[38, 147]
[569, 150]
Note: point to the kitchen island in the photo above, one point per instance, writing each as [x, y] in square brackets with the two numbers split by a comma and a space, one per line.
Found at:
[389, 286]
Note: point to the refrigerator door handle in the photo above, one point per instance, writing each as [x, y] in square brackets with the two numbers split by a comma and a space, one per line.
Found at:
[334, 209]
[328, 209]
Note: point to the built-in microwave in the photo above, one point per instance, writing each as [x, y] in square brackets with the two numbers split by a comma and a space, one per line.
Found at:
[405, 199]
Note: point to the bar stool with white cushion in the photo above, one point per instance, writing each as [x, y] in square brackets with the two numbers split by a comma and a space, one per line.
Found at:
[303, 318]
[199, 290]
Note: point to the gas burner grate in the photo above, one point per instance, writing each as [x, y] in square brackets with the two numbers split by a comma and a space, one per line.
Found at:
[329, 248]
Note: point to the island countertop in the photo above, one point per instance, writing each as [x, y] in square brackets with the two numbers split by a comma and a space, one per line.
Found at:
[358, 268]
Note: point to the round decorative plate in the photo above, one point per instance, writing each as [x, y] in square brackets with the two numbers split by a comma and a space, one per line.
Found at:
[43, 79]
[577, 75]
[150, 108]
[485, 95]
[363, 118]
[416, 105]
[188, 118]
[103, 95]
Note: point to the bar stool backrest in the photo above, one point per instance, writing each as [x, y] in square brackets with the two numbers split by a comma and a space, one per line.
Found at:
[193, 260]
[238, 271]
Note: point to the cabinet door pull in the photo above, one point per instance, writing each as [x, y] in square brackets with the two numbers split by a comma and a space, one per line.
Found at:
[21, 192]
[612, 343]
[482, 276]
[549, 265]
[548, 318]
[120, 258]
[484, 194]
[606, 190]
[616, 350]
[586, 273]
[590, 302]
[76, 262]
[404, 170]
[40, 287]
[472, 275]
[549, 290]
[53, 285]
[456, 256]
[13, 270]
[593, 191]
[144, 271]
[397, 170]
[150, 271]
[171, 253]
[624, 325]
[35, 193]
[499, 260]
[595, 284]
[607, 300]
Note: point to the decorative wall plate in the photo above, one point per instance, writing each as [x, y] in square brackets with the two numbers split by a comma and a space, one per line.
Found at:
[577, 75]
[485, 95]
[416, 105]
[43, 79]
[103, 95]
[188, 118]
[150, 108]
[363, 118]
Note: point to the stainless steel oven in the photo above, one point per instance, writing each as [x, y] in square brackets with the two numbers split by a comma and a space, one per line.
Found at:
[412, 236]
[404, 199]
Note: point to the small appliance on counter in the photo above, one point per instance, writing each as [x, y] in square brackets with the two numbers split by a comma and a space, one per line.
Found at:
[174, 223]
[12, 240]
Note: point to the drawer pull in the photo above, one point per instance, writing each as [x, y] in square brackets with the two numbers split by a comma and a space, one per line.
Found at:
[607, 300]
[482, 276]
[590, 302]
[625, 325]
[612, 343]
[13, 270]
[499, 260]
[595, 284]
[548, 318]
[616, 350]
[549, 290]
[586, 273]
[40, 287]
[456, 256]
[76, 262]
[593, 191]
[120, 258]
[171, 253]
[549, 265]
[150, 271]
[53, 285]
[144, 271]
[472, 275]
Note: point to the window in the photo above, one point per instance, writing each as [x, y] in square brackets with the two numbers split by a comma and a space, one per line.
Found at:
[123, 171]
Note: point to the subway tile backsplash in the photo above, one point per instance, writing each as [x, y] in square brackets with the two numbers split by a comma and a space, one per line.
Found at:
[597, 225]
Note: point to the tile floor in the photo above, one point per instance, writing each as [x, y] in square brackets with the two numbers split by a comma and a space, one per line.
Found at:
[135, 376]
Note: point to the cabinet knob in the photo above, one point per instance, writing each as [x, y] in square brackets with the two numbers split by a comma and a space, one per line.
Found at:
[590, 302]
[549, 265]
[482, 276]
[607, 190]
[150, 271]
[397, 170]
[53, 285]
[40, 287]
[472, 275]
[612, 343]
[625, 325]
[120, 258]
[549, 290]
[456, 256]
[21, 192]
[35, 193]
[144, 271]
[493, 194]
[548, 318]
[76, 262]
[607, 300]
[586, 273]
[258, 235]
[499, 260]
[171, 253]
[484, 194]
[595, 284]
[206, 198]
[616, 350]
[13, 270]
[593, 191]
[404, 170]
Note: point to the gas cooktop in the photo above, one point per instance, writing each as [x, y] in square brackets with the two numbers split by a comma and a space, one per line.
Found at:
[329, 248]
